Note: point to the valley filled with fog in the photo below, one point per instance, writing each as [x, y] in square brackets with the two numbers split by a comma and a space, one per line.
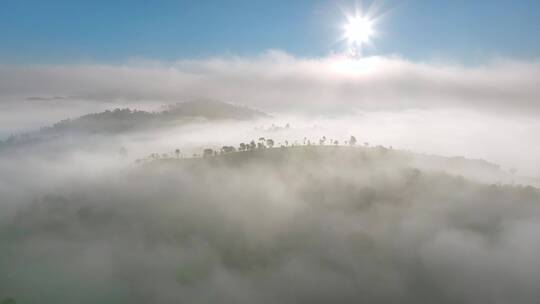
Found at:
[132, 184]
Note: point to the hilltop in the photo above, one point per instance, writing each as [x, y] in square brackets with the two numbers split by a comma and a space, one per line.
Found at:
[345, 158]
[345, 223]
[127, 120]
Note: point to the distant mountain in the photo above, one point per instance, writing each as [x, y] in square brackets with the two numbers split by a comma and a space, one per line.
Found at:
[125, 120]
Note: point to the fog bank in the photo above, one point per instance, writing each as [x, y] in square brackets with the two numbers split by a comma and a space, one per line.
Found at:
[278, 82]
[296, 225]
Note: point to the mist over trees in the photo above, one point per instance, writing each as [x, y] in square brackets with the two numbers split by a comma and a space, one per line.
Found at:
[257, 211]
[301, 224]
[380, 152]
[126, 120]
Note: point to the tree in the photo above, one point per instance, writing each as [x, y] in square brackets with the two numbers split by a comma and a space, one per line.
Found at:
[270, 143]
[227, 149]
[262, 143]
[336, 142]
[208, 152]
[177, 152]
[252, 145]
[242, 147]
[352, 141]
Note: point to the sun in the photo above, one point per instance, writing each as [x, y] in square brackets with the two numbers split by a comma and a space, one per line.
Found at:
[358, 30]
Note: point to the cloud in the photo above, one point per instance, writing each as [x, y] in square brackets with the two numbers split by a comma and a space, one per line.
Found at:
[431, 107]
[79, 223]
[279, 82]
[297, 227]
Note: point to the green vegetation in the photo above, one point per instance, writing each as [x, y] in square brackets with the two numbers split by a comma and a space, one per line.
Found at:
[128, 120]
[345, 223]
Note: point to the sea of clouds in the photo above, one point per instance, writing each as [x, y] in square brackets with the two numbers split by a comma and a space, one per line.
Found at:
[80, 222]
[485, 111]
[298, 226]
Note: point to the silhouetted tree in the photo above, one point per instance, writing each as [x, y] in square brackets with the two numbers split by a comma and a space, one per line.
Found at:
[252, 145]
[270, 143]
[336, 142]
[242, 147]
[177, 152]
[208, 152]
[228, 149]
[261, 143]
[352, 141]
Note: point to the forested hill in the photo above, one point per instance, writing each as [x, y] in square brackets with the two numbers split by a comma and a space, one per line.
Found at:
[344, 159]
[125, 120]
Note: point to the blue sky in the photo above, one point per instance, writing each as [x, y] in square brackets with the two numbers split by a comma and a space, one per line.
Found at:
[106, 31]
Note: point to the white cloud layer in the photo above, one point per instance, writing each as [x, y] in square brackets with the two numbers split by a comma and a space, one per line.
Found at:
[488, 111]
[304, 226]
[79, 222]
[278, 82]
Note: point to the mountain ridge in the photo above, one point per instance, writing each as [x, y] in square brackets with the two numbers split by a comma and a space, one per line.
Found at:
[121, 120]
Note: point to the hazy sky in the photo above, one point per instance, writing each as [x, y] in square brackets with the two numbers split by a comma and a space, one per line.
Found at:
[65, 31]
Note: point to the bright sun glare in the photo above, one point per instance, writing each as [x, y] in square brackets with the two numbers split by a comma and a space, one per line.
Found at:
[358, 30]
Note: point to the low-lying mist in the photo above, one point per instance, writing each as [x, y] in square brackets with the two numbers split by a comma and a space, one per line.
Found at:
[300, 224]
[437, 202]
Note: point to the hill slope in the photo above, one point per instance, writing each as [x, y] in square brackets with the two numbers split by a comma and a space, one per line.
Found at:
[127, 120]
[379, 157]
[298, 225]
